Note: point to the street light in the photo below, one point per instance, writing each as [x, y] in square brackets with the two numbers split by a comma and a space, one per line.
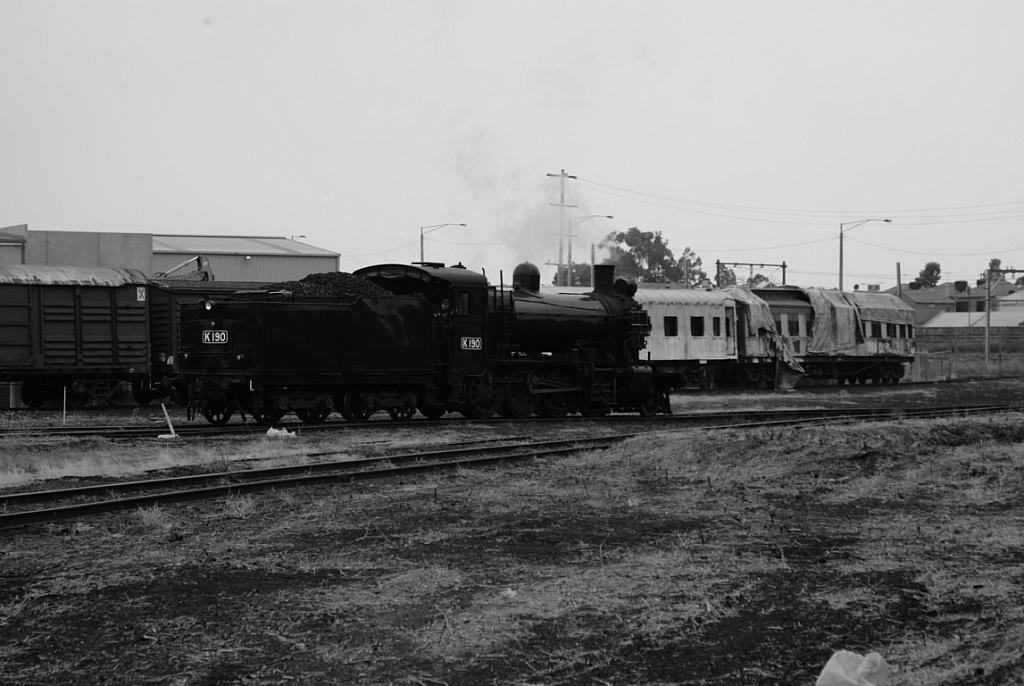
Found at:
[427, 229]
[851, 226]
[568, 271]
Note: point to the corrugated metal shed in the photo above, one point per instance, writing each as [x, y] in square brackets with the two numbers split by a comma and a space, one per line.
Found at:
[244, 258]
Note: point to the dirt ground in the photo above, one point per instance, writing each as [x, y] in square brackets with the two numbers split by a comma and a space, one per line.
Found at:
[727, 557]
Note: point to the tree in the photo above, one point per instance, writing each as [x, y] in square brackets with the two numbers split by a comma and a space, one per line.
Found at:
[691, 274]
[725, 276]
[930, 275]
[642, 255]
[994, 264]
[581, 275]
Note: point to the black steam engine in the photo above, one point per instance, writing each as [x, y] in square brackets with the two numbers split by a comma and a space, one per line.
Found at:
[421, 337]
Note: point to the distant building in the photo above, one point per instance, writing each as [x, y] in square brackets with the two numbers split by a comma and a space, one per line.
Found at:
[944, 297]
[231, 258]
[966, 331]
[1013, 301]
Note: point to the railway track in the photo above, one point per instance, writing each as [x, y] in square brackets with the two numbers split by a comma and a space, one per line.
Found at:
[22, 508]
[683, 417]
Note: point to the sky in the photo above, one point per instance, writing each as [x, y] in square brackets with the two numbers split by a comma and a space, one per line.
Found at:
[748, 131]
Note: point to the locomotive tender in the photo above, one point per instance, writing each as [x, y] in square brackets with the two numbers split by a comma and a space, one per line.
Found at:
[440, 339]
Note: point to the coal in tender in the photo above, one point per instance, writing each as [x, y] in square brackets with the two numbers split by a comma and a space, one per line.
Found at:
[331, 284]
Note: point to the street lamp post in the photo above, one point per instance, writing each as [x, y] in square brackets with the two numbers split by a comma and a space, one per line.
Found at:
[568, 271]
[432, 227]
[850, 227]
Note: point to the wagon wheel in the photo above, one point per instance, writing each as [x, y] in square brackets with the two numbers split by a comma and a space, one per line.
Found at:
[516, 402]
[433, 411]
[77, 395]
[401, 413]
[480, 400]
[594, 411]
[33, 394]
[218, 416]
[313, 415]
[266, 416]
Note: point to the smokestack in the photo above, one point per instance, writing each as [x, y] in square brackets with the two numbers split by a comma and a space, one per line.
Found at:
[604, 277]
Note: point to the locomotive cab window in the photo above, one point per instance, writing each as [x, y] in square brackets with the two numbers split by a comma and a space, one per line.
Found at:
[671, 326]
[462, 303]
[716, 326]
[728, 322]
[696, 326]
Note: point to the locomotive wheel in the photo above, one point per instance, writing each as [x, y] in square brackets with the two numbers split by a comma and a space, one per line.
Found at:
[481, 400]
[554, 405]
[433, 411]
[218, 417]
[594, 411]
[353, 408]
[516, 402]
[649, 407]
[401, 413]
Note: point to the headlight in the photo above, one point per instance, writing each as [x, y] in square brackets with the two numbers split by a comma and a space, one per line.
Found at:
[208, 305]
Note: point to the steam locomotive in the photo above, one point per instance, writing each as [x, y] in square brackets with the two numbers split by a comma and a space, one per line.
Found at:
[429, 338]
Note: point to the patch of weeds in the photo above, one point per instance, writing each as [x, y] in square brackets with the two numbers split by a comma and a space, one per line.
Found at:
[239, 507]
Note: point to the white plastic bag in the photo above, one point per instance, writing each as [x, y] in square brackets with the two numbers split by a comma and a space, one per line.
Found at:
[850, 669]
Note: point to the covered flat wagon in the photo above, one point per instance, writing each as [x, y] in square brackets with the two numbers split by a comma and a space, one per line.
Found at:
[72, 331]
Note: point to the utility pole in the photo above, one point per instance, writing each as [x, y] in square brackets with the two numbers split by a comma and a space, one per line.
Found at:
[562, 278]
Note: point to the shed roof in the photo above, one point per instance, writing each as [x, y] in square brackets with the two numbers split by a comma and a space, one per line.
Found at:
[958, 320]
[236, 245]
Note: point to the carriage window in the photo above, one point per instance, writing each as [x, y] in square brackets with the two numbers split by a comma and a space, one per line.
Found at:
[910, 330]
[778, 325]
[728, 322]
[903, 331]
[671, 326]
[696, 326]
[876, 329]
[794, 326]
[890, 331]
[716, 326]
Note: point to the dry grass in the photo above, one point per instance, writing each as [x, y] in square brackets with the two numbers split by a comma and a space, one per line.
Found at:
[737, 557]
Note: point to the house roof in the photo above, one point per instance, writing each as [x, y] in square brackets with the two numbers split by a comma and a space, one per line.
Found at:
[236, 245]
[946, 293]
